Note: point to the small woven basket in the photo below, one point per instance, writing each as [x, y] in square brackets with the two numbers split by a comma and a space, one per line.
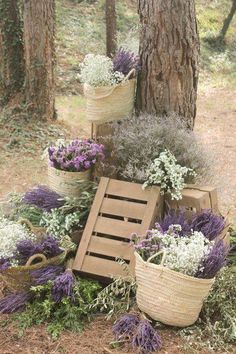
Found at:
[110, 103]
[66, 183]
[19, 278]
[167, 296]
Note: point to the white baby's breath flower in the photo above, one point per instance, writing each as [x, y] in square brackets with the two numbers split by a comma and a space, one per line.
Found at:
[97, 70]
[168, 174]
[10, 234]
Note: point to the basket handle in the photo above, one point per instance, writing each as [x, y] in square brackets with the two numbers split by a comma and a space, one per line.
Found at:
[36, 256]
[132, 71]
[26, 222]
[157, 254]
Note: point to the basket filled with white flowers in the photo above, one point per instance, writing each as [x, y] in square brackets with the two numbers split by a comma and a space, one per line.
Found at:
[175, 271]
[109, 85]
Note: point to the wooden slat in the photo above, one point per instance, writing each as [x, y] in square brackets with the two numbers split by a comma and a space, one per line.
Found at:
[123, 208]
[127, 190]
[112, 248]
[114, 227]
[102, 267]
[212, 194]
[90, 224]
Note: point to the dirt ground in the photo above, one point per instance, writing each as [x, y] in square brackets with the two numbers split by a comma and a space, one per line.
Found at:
[216, 125]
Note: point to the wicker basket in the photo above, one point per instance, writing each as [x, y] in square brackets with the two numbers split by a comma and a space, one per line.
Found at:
[110, 103]
[18, 278]
[66, 183]
[167, 296]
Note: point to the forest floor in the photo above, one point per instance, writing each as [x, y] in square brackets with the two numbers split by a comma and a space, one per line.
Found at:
[22, 166]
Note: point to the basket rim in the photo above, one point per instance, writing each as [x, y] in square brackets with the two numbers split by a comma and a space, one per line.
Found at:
[123, 83]
[173, 272]
[62, 172]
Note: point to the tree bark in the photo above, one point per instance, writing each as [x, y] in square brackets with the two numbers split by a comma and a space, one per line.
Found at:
[169, 54]
[111, 35]
[39, 31]
[11, 50]
[228, 20]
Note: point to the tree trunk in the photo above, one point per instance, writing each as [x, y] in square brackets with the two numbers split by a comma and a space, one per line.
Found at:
[39, 30]
[228, 20]
[111, 35]
[169, 54]
[11, 50]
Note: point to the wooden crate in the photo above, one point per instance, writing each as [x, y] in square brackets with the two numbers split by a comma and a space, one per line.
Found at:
[119, 209]
[195, 198]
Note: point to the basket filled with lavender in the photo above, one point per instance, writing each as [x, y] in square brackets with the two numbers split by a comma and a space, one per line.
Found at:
[71, 163]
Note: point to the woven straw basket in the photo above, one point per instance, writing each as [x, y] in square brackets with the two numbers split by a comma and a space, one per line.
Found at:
[66, 183]
[110, 103]
[18, 278]
[167, 296]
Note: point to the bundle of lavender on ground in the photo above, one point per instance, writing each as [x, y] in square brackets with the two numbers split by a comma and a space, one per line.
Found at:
[76, 156]
[43, 198]
[139, 333]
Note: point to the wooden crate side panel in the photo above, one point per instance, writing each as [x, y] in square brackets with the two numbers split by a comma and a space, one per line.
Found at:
[127, 190]
[109, 247]
[123, 208]
[102, 267]
[90, 224]
[118, 228]
[212, 193]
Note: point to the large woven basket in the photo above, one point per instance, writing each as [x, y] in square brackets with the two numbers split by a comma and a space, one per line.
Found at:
[66, 183]
[110, 103]
[167, 296]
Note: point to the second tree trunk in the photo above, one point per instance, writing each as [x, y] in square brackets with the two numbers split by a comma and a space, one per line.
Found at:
[169, 52]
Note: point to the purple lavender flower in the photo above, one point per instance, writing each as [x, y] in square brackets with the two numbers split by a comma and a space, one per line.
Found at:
[124, 61]
[125, 326]
[146, 338]
[50, 246]
[4, 264]
[213, 262]
[209, 224]
[43, 198]
[175, 217]
[15, 302]
[25, 249]
[79, 155]
[43, 275]
[63, 286]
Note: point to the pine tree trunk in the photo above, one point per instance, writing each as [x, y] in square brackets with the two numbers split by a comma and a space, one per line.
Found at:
[228, 20]
[39, 30]
[169, 52]
[111, 35]
[11, 50]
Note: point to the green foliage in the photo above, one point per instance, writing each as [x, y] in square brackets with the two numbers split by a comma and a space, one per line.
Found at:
[116, 298]
[73, 214]
[65, 315]
[216, 328]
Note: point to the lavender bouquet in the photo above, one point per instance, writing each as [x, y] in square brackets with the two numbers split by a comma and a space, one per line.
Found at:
[124, 61]
[43, 198]
[77, 156]
[208, 223]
